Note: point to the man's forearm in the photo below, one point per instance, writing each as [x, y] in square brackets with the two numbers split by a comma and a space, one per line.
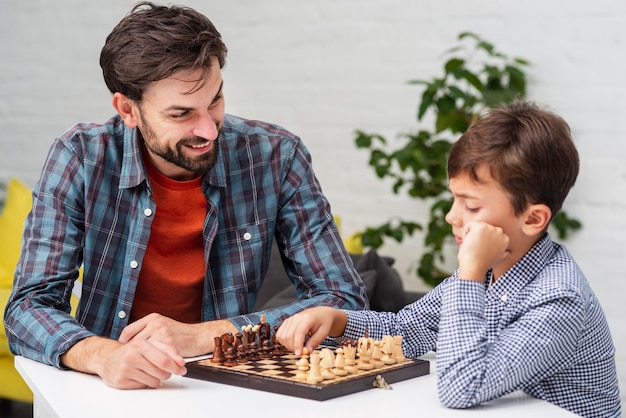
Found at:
[88, 354]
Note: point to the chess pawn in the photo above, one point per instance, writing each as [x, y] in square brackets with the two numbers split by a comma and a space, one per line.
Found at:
[303, 365]
[387, 349]
[314, 375]
[265, 352]
[253, 351]
[242, 354]
[397, 349]
[340, 363]
[231, 357]
[377, 356]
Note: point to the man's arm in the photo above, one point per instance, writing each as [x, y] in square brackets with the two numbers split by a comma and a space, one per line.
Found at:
[188, 340]
[149, 350]
[138, 364]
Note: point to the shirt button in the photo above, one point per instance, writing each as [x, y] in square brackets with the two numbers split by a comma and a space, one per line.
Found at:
[247, 236]
[134, 264]
[147, 212]
[121, 314]
[504, 298]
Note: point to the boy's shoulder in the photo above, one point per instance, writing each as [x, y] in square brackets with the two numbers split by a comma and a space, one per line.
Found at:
[549, 270]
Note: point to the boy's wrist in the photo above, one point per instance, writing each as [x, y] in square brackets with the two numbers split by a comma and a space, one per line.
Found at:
[472, 274]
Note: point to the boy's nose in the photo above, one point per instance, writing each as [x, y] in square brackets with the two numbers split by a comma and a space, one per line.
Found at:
[451, 217]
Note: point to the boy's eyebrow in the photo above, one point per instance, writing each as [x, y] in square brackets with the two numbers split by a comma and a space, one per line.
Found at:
[462, 195]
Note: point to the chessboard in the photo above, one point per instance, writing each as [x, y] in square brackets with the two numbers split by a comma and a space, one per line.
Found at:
[326, 373]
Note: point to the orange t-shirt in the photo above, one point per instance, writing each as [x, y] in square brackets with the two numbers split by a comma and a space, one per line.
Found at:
[171, 281]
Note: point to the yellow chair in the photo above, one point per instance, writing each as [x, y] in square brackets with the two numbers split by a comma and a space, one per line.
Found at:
[353, 241]
[17, 204]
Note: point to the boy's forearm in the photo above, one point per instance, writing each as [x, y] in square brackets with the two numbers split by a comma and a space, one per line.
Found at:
[340, 320]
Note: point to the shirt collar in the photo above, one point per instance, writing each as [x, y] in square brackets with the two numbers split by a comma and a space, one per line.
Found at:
[528, 267]
[133, 172]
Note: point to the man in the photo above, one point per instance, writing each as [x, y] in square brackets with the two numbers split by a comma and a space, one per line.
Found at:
[171, 207]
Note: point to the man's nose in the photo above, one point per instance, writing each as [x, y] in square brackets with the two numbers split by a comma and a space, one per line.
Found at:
[206, 127]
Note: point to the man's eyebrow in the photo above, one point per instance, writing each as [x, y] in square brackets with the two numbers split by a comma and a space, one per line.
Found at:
[189, 109]
[219, 91]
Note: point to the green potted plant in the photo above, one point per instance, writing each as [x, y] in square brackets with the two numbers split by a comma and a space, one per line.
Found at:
[476, 77]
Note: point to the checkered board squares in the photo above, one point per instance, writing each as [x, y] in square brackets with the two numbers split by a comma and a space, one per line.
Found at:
[277, 375]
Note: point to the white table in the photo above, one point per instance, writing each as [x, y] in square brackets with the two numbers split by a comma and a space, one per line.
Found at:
[69, 394]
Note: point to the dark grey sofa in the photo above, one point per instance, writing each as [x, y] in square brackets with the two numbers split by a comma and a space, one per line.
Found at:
[383, 283]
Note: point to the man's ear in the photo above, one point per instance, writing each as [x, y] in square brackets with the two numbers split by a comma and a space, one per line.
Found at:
[126, 108]
[536, 219]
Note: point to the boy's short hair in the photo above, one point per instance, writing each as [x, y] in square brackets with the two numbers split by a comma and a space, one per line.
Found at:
[527, 149]
[153, 42]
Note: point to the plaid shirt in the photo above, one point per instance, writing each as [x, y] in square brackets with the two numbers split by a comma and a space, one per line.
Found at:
[538, 329]
[92, 207]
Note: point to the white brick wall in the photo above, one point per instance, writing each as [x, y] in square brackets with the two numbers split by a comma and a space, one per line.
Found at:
[325, 68]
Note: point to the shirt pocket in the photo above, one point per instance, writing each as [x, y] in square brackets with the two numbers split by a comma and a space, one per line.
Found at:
[242, 257]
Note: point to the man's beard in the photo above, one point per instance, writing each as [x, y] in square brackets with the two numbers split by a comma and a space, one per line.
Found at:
[198, 165]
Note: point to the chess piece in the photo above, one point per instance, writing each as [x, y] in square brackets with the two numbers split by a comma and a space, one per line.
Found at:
[264, 331]
[377, 355]
[253, 351]
[228, 339]
[303, 365]
[340, 363]
[327, 363]
[231, 357]
[350, 357]
[277, 348]
[365, 348]
[397, 349]
[314, 375]
[238, 340]
[387, 350]
[218, 354]
[265, 352]
[242, 354]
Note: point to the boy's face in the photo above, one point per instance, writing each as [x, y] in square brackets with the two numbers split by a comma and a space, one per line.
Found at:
[180, 129]
[487, 202]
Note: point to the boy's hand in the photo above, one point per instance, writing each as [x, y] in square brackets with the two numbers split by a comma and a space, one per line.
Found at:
[483, 245]
[315, 323]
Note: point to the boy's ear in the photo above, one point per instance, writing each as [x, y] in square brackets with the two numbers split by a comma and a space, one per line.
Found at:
[537, 218]
[126, 108]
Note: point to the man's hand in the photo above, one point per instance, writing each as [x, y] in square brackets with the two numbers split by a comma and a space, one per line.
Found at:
[149, 350]
[316, 323]
[483, 246]
[189, 340]
[135, 365]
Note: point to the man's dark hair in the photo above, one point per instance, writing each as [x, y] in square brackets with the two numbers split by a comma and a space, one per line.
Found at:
[153, 42]
[527, 149]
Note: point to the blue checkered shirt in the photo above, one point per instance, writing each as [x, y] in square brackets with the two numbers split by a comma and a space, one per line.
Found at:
[92, 206]
[539, 329]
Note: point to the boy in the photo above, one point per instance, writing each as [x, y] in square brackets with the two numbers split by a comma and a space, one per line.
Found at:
[518, 314]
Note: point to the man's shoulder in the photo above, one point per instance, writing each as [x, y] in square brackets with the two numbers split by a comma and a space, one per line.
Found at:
[238, 126]
[91, 133]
